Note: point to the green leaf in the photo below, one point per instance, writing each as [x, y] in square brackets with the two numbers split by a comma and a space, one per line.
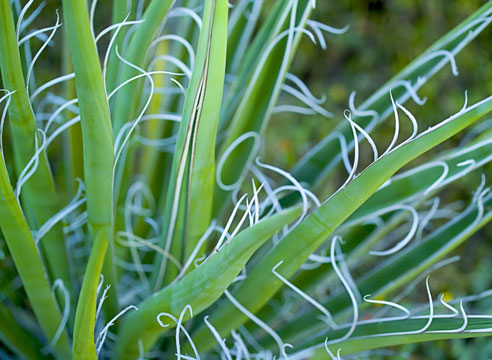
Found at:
[29, 265]
[399, 269]
[98, 169]
[373, 335]
[119, 12]
[39, 195]
[412, 186]
[303, 240]
[241, 29]
[249, 103]
[126, 102]
[190, 195]
[422, 181]
[200, 288]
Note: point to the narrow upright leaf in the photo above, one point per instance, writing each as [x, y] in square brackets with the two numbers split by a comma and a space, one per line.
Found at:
[98, 167]
[39, 193]
[190, 194]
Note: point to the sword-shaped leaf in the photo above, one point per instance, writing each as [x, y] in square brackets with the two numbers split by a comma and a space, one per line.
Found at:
[29, 265]
[39, 194]
[424, 180]
[126, 101]
[200, 288]
[249, 103]
[399, 269]
[97, 137]
[303, 240]
[398, 332]
[190, 194]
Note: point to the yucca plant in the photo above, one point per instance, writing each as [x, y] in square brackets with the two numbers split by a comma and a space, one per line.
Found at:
[141, 220]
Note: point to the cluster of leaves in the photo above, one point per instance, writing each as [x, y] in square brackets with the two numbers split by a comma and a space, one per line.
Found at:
[162, 198]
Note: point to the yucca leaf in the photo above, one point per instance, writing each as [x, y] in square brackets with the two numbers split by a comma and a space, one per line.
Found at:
[296, 247]
[74, 156]
[121, 9]
[125, 106]
[158, 176]
[189, 200]
[39, 194]
[152, 163]
[98, 169]
[29, 265]
[266, 34]
[258, 86]
[412, 187]
[398, 270]
[423, 181]
[408, 264]
[154, 128]
[200, 288]
[241, 27]
[377, 334]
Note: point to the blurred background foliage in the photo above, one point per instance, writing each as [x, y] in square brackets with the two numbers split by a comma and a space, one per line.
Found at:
[384, 36]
